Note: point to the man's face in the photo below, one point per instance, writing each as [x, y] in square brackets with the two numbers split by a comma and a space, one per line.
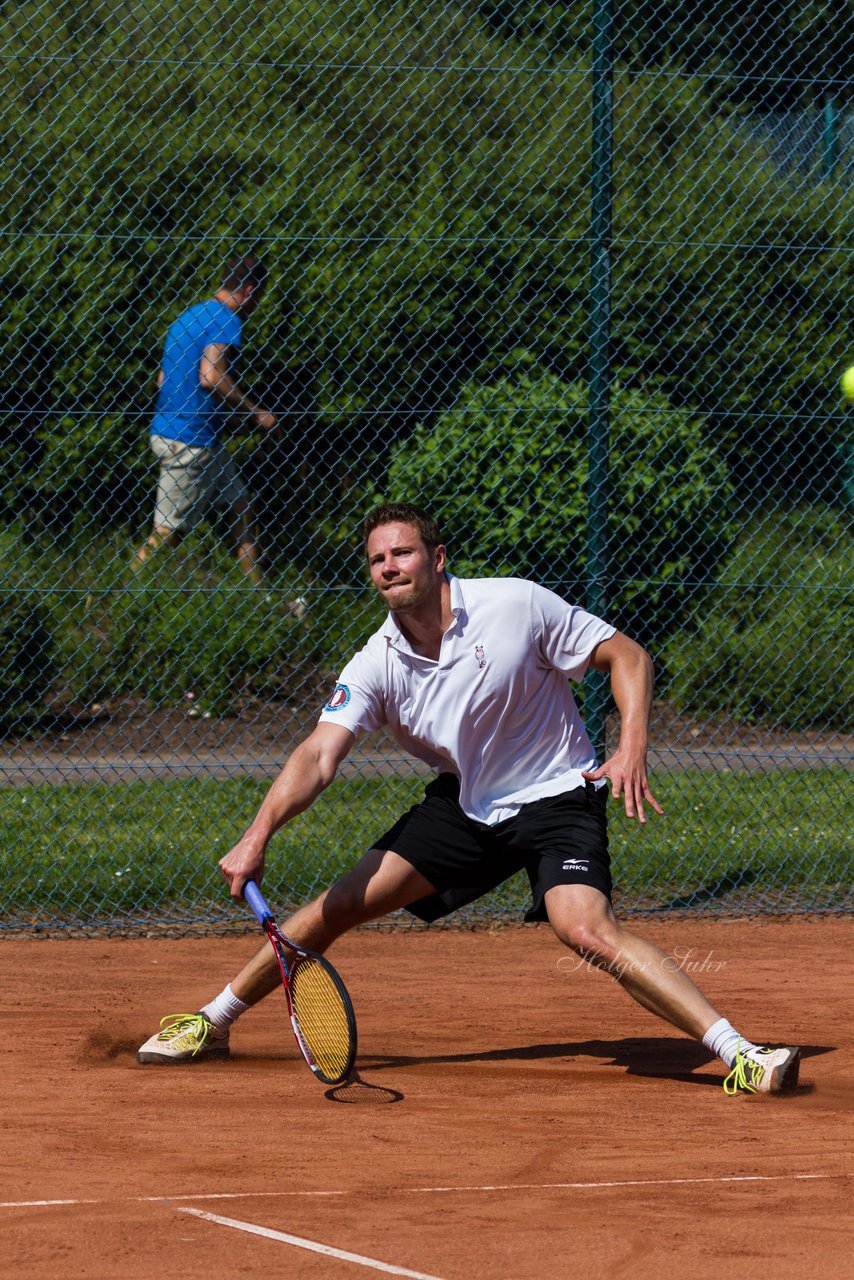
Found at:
[405, 573]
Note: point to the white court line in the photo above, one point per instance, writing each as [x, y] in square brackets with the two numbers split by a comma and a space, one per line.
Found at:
[311, 1245]
[35, 1204]
[515, 1186]
[462, 1190]
[635, 1182]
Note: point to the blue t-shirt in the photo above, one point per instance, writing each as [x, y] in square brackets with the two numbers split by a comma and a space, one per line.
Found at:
[185, 411]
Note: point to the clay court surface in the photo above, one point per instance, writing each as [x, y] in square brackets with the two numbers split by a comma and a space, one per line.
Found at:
[519, 1117]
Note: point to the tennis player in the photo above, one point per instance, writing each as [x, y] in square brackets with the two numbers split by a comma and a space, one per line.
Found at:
[472, 676]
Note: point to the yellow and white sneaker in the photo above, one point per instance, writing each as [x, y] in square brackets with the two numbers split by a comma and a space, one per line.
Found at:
[185, 1037]
[763, 1070]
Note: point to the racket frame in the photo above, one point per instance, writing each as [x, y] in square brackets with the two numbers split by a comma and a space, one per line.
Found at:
[288, 956]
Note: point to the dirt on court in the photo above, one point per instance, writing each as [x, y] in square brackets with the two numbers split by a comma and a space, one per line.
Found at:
[518, 1117]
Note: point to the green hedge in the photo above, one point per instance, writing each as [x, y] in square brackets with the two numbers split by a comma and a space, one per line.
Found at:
[79, 624]
[27, 648]
[770, 53]
[773, 643]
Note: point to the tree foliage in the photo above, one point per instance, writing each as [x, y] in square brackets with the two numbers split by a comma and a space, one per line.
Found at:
[768, 53]
[27, 646]
[420, 185]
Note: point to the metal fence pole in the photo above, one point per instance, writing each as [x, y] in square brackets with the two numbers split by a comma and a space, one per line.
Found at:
[829, 137]
[600, 350]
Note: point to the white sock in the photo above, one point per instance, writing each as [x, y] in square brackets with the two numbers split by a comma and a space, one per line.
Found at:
[723, 1040]
[225, 1009]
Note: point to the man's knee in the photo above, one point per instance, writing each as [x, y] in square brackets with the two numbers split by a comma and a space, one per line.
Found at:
[240, 520]
[595, 935]
[343, 906]
[159, 537]
[590, 940]
[582, 918]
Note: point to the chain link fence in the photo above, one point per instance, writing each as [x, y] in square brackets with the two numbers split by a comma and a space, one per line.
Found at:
[575, 275]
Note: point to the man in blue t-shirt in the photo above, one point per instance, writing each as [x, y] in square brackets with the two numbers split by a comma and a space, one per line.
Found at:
[197, 399]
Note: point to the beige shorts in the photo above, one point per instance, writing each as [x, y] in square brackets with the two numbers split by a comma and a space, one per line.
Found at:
[193, 481]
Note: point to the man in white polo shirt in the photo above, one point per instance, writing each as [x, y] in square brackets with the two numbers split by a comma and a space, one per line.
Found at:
[471, 676]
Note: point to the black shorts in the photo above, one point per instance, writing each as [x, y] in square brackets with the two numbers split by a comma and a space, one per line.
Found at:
[560, 840]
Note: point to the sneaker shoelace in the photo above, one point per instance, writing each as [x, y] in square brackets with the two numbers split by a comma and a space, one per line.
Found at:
[185, 1030]
[746, 1074]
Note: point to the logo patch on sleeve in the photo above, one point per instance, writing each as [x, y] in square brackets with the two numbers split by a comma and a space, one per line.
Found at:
[340, 698]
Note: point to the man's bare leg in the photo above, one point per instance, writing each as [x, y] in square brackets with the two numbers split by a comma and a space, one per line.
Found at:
[159, 537]
[582, 918]
[243, 543]
[380, 882]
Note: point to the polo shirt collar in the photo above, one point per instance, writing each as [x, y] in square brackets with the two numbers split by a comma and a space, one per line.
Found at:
[458, 604]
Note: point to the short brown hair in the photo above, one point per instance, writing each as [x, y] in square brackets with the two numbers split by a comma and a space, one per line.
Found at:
[244, 270]
[403, 513]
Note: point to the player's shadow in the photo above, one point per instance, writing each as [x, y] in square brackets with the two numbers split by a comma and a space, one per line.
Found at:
[652, 1056]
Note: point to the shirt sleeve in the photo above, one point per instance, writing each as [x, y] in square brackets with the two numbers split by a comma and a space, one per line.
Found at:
[356, 701]
[565, 634]
[226, 330]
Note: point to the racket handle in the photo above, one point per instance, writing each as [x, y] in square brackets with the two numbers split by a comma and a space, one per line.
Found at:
[257, 901]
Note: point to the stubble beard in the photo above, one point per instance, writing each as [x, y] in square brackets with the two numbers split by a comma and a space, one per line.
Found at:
[410, 598]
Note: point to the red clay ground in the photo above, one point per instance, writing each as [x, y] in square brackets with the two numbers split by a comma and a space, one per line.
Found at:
[526, 1120]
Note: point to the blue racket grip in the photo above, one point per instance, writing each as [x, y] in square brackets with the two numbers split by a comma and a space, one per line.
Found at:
[257, 901]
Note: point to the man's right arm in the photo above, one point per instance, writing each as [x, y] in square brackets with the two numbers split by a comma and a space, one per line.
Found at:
[308, 772]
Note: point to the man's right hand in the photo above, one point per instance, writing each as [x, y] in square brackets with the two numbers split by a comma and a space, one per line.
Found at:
[244, 862]
[266, 421]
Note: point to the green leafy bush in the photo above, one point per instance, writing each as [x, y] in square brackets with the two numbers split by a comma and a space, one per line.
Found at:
[506, 469]
[189, 621]
[774, 642]
[219, 641]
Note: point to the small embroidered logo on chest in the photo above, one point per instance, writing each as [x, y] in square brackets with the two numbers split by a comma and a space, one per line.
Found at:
[480, 656]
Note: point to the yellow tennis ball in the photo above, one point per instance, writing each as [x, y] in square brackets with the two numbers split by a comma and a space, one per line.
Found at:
[847, 383]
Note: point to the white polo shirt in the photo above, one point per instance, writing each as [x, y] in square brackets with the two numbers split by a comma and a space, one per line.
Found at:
[496, 708]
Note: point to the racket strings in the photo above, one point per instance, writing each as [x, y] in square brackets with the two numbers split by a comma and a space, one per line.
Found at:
[323, 1017]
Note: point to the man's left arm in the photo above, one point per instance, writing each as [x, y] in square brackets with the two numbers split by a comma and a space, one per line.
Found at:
[629, 668]
[215, 376]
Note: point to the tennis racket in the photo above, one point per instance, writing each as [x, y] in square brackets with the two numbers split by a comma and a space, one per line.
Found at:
[320, 1009]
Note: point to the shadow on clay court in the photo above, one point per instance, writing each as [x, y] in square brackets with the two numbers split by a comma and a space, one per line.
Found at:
[362, 1093]
[655, 1057]
[651, 1056]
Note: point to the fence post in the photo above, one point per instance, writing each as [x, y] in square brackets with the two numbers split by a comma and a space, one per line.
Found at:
[829, 135]
[601, 198]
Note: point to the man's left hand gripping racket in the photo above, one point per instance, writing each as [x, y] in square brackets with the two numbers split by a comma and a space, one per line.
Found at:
[320, 1009]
